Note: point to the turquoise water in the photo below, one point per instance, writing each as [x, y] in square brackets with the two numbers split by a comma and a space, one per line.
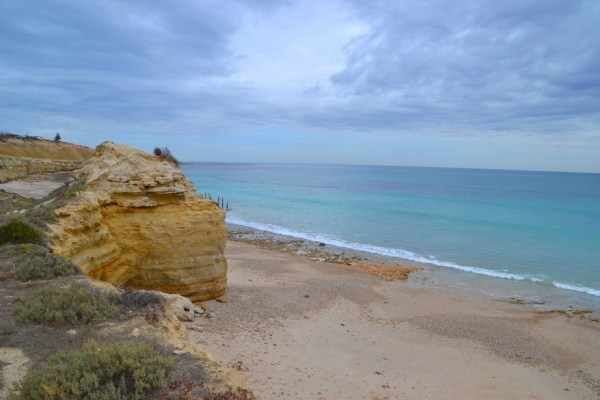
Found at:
[538, 228]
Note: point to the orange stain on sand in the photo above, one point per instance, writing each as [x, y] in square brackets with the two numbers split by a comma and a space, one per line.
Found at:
[387, 272]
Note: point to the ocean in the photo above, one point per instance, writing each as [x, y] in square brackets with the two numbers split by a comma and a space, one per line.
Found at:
[522, 234]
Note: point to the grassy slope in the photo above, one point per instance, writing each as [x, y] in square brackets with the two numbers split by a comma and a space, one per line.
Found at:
[44, 149]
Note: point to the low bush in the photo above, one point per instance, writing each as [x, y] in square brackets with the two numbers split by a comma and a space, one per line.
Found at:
[166, 154]
[76, 304]
[141, 298]
[39, 263]
[14, 250]
[78, 186]
[97, 372]
[18, 232]
[39, 219]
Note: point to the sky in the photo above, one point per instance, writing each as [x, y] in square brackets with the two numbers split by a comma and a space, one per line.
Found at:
[512, 84]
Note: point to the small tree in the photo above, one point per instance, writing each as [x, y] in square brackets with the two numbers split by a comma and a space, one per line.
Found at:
[166, 154]
[57, 137]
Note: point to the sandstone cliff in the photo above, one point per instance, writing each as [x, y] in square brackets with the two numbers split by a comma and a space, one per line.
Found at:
[140, 223]
[20, 158]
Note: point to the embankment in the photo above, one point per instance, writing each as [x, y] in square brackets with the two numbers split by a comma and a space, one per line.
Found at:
[20, 157]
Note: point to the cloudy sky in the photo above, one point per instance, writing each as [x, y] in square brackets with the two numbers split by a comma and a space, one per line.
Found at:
[465, 83]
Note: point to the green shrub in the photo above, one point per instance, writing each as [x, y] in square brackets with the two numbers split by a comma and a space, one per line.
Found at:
[39, 263]
[141, 298]
[76, 304]
[18, 232]
[96, 372]
[13, 250]
[37, 219]
[79, 186]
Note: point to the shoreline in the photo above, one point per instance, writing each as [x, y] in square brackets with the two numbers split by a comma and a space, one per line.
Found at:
[301, 329]
[539, 296]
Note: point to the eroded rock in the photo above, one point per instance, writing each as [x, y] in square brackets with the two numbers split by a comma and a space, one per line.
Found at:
[181, 306]
[140, 223]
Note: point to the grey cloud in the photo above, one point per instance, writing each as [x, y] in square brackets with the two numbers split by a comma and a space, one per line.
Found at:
[266, 5]
[479, 60]
[465, 66]
[129, 62]
[144, 39]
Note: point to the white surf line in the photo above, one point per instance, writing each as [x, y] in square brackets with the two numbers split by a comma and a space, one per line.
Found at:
[397, 253]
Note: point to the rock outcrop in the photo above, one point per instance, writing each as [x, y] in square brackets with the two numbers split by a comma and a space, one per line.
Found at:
[140, 223]
[20, 158]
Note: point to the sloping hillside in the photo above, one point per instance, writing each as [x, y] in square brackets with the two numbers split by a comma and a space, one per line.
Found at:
[20, 157]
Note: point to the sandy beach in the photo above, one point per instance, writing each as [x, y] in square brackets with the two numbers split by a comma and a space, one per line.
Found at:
[319, 330]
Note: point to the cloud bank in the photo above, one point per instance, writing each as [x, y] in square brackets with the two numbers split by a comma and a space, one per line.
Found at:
[345, 70]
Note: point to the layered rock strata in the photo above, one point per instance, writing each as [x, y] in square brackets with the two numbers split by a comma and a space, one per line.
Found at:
[140, 223]
[20, 158]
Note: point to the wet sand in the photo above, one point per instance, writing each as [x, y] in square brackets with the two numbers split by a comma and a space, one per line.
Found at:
[321, 330]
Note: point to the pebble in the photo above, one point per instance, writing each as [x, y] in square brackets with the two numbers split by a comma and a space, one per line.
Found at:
[198, 310]
[240, 366]
[197, 328]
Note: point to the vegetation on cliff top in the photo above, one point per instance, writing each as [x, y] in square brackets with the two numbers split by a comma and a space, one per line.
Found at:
[18, 232]
[166, 154]
[36, 262]
[76, 304]
[124, 369]
[98, 372]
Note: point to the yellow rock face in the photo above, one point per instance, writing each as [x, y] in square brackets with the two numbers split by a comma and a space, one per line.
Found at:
[141, 224]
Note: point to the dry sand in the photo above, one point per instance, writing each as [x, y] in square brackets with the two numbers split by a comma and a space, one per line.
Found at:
[316, 330]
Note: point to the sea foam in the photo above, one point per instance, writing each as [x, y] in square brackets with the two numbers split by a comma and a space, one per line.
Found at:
[577, 288]
[397, 253]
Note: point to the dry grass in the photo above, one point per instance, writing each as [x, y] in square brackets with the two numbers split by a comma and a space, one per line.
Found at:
[44, 149]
